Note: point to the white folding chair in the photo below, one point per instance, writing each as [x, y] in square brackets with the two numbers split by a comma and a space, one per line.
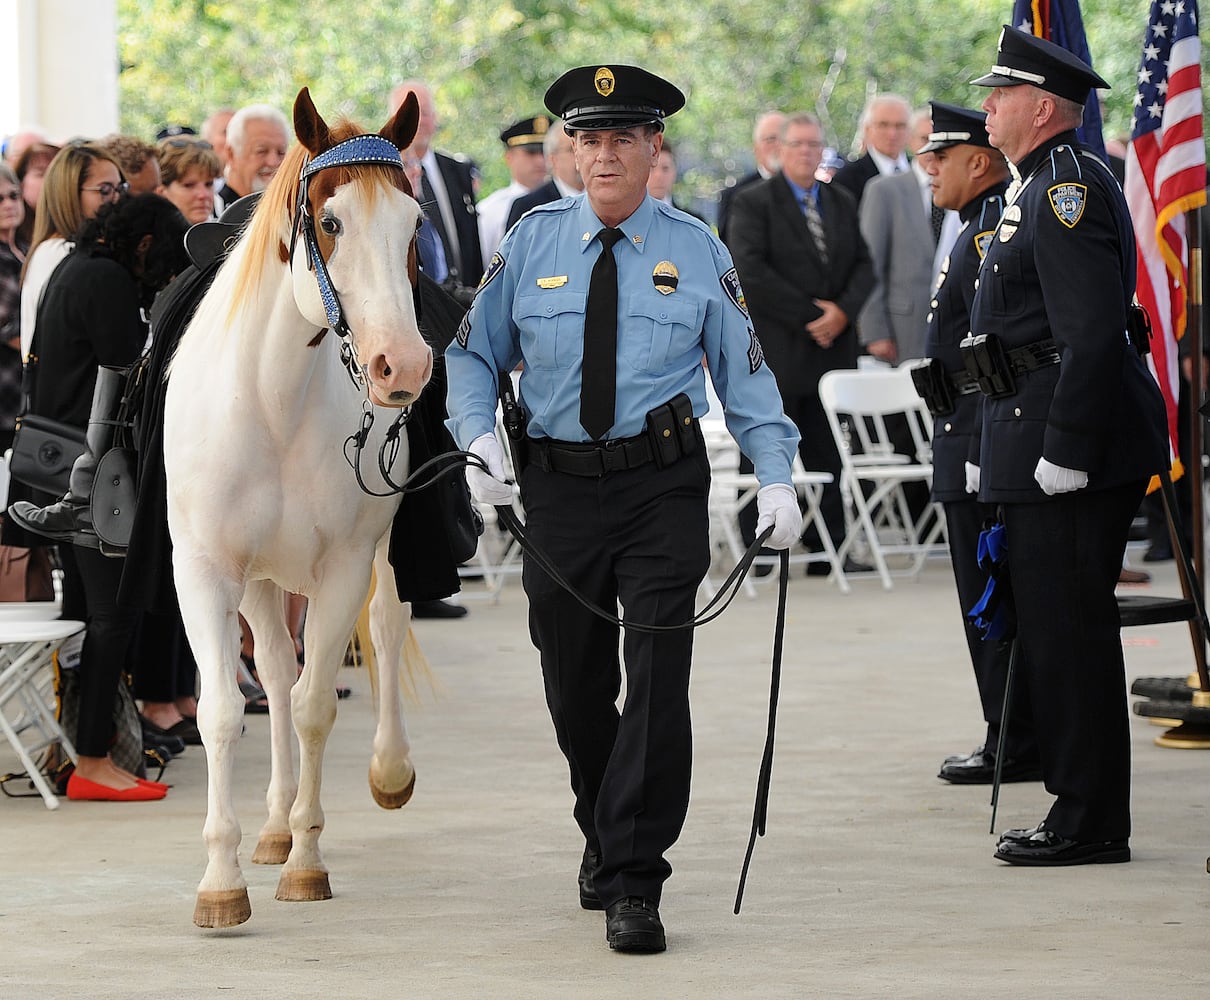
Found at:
[732, 491]
[857, 404]
[27, 706]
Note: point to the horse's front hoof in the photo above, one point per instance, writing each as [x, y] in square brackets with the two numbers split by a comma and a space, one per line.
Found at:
[392, 800]
[222, 907]
[272, 849]
[303, 886]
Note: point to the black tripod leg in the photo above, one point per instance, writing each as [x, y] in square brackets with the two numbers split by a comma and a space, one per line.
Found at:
[1000, 741]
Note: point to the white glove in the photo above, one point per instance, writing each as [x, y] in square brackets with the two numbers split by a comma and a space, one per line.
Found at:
[777, 507]
[488, 489]
[1056, 479]
[972, 478]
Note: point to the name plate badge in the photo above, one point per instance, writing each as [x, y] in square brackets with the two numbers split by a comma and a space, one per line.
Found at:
[557, 281]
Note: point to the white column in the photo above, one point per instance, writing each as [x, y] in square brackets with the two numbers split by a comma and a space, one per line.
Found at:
[59, 67]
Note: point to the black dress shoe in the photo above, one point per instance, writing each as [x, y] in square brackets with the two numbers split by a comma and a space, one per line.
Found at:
[155, 737]
[633, 924]
[963, 756]
[1045, 848]
[591, 861]
[980, 769]
[66, 520]
[851, 565]
[1158, 553]
[437, 609]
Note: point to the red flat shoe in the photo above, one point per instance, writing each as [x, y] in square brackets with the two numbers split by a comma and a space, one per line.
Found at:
[148, 783]
[82, 790]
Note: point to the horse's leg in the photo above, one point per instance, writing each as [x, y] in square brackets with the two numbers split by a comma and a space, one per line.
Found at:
[277, 669]
[331, 615]
[208, 601]
[392, 777]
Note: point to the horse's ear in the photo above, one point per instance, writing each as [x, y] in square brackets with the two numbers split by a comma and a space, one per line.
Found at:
[401, 129]
[311, 129]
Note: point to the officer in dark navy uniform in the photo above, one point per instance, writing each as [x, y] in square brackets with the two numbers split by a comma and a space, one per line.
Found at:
[610, 302]
[970, 177]
[1073, 427]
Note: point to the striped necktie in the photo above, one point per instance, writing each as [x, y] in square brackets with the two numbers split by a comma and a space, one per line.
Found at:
[815, 225]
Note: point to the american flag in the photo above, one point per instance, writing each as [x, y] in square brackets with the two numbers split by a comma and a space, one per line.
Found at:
[1059, 21]
[1166, 177]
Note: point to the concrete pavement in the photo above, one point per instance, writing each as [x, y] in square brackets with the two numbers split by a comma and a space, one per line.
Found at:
[875, 879]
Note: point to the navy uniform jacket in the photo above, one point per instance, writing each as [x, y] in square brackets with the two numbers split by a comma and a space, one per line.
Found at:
[530, 309]
[1062, 265]
[948, 323]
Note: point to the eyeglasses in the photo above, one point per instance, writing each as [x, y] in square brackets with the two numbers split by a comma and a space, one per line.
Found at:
[803, 144]
[107, 190]
[185, 143]
[11, 196]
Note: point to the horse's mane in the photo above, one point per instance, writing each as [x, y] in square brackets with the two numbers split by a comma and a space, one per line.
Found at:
[268, 231]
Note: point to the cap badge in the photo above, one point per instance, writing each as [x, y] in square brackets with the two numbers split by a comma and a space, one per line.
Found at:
[603, 81]
[665, 277]
[541, 125]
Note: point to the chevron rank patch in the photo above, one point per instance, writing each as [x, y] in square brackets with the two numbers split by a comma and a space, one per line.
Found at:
[983, 241]
[756, 356]
[494, 267]
[1068, 201]
[735, 293]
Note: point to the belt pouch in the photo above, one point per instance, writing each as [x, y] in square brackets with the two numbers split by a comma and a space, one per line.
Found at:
[933, 385]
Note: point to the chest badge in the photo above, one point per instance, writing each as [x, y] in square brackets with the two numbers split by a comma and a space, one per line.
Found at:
[665, 277]
[1068, 202]
[556, 281]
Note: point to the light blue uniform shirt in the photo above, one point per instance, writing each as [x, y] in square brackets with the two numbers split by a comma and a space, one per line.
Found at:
[530, 310]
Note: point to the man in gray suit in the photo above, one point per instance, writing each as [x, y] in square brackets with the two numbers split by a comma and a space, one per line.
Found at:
[897, 224]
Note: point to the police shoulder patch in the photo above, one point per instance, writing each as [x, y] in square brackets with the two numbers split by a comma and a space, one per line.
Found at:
[730, 283]
[983, 241]
[494, 267]
[1068, 202]
[464, 331]
[756, 355]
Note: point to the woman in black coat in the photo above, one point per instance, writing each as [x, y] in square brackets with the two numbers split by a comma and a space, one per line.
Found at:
[93, 313]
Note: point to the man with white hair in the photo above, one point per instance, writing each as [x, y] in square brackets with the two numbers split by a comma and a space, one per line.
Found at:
[257, 136]
[884, 132]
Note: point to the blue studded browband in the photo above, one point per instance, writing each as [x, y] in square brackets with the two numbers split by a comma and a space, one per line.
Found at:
[357, 151]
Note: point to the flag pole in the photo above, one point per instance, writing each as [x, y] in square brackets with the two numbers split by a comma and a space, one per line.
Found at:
[1194, 317]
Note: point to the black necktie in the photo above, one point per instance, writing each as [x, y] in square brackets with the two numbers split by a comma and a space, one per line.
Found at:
[598, 379]
[938, 219]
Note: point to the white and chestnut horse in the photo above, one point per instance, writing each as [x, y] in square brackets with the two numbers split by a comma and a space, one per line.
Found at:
[261, 500]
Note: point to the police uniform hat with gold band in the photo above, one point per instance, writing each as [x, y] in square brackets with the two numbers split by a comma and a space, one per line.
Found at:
[955, 126]
[606, 97]
[526, 132]
[1022, 58]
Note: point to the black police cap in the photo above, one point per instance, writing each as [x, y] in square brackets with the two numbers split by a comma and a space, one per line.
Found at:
[955, 126]
[526, 132]
[1024, 58]
[603, 97]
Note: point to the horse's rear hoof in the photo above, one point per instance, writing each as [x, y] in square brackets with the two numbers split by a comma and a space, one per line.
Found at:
[272, 849]
[222, 908]
[303, 886]
[392, 800]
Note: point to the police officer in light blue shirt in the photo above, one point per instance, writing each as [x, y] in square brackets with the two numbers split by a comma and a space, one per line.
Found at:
[616, 307]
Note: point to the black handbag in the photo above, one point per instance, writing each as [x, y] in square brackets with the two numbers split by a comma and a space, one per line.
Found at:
[44, 451]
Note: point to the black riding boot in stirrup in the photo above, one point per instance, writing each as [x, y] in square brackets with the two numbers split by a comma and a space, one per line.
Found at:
[70, 519]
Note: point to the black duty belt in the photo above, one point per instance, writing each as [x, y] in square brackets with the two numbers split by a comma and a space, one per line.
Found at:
[940, 388]
[590, 459]
[995, 368]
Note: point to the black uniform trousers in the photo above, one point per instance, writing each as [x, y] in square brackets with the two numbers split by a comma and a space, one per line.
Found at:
[1065, 554]
[639, 537]
[964, 520]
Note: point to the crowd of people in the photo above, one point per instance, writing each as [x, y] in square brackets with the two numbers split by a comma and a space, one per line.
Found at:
[586, 275]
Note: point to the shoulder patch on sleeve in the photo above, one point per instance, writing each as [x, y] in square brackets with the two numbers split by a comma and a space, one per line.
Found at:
[983, 241]
[1068, 202]
[464, 331]
[730, 283]
[494, 267]
[756, 355]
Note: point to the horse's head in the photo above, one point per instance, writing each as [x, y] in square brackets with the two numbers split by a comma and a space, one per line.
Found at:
[364, 221]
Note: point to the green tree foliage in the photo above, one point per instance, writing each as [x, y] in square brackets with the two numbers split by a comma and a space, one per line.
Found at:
[490, 64]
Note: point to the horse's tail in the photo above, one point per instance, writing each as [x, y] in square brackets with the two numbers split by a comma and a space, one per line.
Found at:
[414, 665]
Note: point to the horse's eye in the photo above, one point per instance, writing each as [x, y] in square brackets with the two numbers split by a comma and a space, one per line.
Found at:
[330, 225]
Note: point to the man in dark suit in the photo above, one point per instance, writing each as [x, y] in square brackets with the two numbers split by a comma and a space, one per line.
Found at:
[447, 190]
[884, 132]
[766, 137]
[564, 177]
[806, 274]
